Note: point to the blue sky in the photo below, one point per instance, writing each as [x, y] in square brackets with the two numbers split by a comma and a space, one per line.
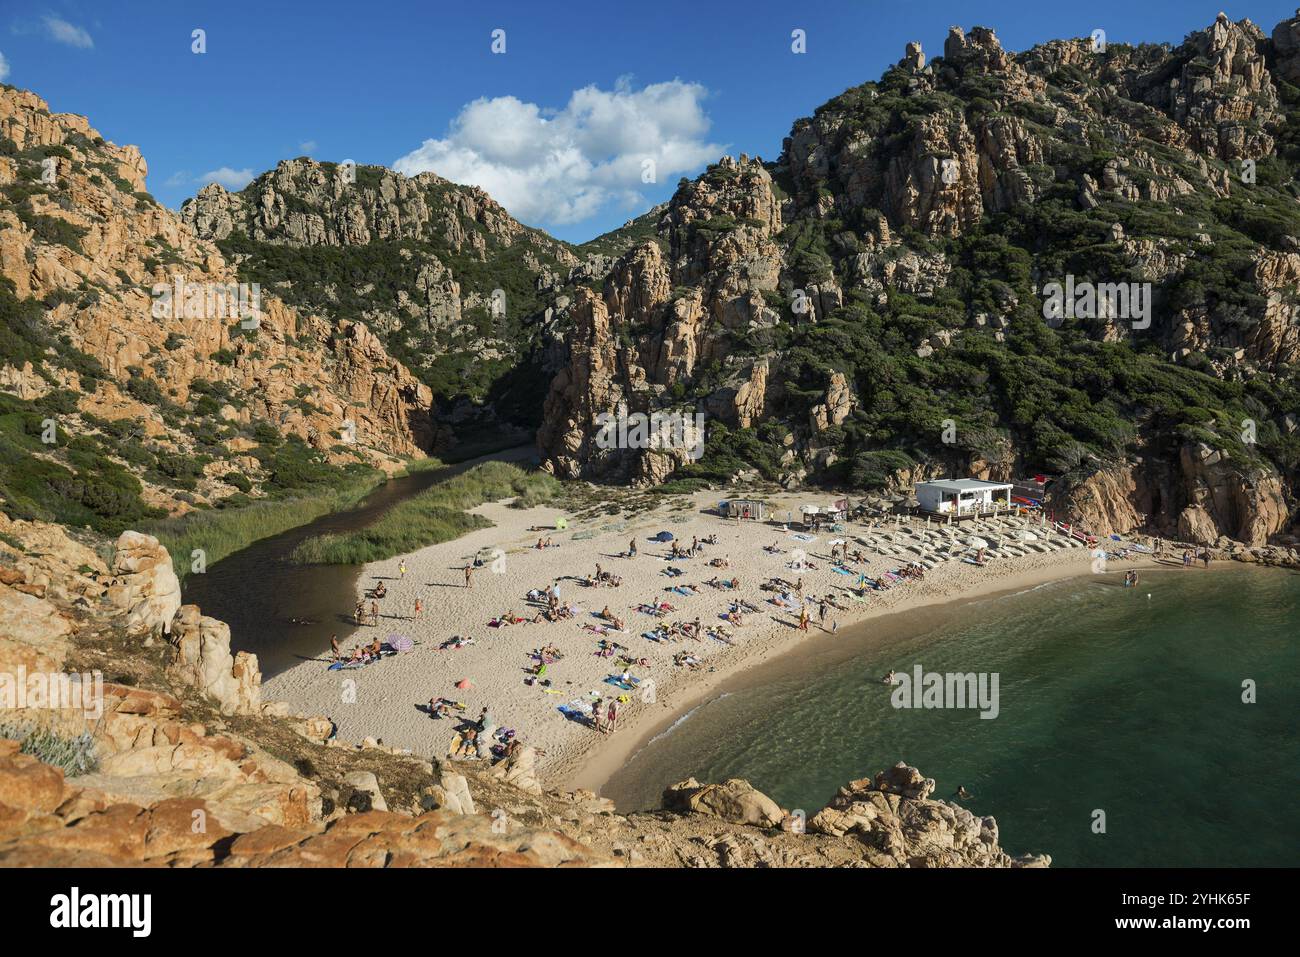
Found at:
[558, 127]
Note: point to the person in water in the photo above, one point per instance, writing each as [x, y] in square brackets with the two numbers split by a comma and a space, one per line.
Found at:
[963, 793]
[889, 679]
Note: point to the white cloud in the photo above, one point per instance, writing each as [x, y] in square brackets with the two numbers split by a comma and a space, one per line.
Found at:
[564, 166]
[4, 68]
[65, 32]
[232, 179]
[308, 147]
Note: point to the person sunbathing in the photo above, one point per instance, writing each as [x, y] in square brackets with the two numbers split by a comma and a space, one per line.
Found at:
[772, 549]
[606, 614]
[719, 563]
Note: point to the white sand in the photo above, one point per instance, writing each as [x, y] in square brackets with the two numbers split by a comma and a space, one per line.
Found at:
[381, 700]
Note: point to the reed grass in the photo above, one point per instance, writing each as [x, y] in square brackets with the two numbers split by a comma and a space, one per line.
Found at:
[438, 514]
[219, 533]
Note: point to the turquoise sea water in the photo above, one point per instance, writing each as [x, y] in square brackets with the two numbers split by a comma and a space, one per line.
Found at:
[1109, 700]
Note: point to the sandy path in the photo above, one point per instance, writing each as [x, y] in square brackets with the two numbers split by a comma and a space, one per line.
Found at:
[381, 700]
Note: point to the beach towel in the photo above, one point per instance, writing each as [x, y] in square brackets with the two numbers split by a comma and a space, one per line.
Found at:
[800, 536]
[842, 571]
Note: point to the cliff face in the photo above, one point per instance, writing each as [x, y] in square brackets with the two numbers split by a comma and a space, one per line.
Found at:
[87, 250]
[459, 289]
[882, 287]
[182, 764]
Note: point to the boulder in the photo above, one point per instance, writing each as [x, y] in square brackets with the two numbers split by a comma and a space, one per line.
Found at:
[736, 801]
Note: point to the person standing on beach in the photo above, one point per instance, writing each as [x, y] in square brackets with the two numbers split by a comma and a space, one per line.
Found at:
[374, 613]
[821, 614]
[334, 646]
[419, 609]
[596, 715]
[612, 716]
[803, 618]
[1205, 556]
[631, 549]
[359, 613]
[401, 569]
[469, 576]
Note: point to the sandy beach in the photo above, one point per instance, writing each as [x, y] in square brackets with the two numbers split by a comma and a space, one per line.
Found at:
[387, 700]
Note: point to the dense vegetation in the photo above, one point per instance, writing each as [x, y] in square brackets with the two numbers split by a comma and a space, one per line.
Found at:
[1063, 398]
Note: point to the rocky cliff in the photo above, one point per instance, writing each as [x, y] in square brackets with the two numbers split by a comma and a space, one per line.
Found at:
[182, 764]
[172, 392]
[872, 306]
[457, 288]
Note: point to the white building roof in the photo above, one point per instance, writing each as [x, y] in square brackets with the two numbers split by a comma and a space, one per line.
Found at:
[963, 485]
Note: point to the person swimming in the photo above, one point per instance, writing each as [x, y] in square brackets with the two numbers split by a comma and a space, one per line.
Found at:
[889, 679]
[962, 792]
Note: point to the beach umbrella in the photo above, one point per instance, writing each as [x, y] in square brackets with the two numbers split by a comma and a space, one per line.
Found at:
[463, 684]
[976, 542]
[400, 642]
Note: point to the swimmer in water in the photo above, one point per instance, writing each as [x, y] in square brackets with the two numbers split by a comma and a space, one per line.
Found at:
[962, 792]
[888, 679]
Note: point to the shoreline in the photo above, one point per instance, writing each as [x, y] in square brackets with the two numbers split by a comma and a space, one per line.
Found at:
[386, 701]
[606, 758]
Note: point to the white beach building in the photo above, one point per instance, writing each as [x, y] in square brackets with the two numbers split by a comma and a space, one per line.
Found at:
[962, 496]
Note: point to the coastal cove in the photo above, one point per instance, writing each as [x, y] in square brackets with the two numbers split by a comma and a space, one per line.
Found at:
[1110, 701]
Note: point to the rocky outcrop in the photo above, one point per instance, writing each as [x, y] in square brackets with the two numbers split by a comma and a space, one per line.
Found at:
[304, 375]
[736, 801]
[203, 660]
[894, 816]
[450, 253]
[144, 584]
